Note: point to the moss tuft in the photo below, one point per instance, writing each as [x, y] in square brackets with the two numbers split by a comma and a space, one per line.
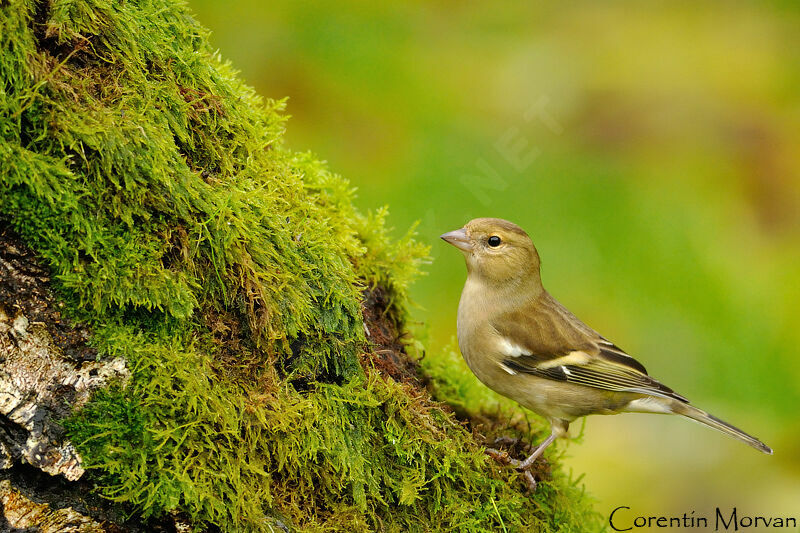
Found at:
[229, 272]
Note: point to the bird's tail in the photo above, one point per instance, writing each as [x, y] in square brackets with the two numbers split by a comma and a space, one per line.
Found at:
[689, 411]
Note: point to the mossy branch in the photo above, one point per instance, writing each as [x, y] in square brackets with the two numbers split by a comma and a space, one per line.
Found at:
[229, 273]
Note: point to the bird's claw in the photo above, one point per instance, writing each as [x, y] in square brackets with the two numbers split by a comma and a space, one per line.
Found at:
[504, 458]
[505, 441]
[530, 481]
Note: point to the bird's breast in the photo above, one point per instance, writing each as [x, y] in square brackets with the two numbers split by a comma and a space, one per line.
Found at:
[479, 342]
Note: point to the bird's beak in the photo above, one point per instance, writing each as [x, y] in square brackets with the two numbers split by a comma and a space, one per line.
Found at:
[459, 239]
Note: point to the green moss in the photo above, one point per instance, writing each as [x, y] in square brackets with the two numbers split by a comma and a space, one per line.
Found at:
[228, 271]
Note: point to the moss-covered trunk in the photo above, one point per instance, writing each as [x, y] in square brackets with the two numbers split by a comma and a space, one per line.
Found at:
[222, 326]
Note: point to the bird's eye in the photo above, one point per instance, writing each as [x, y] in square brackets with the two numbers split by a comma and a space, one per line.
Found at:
[494, 241]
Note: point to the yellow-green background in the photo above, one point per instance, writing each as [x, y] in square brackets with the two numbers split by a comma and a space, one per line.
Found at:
[659, 176]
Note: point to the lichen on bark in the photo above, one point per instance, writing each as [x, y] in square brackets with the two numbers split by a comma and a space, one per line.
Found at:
[261, 317]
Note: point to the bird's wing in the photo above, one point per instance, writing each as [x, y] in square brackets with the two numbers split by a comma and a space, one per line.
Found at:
[550, 342]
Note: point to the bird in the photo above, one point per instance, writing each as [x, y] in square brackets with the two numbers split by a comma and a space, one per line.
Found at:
[523, 344]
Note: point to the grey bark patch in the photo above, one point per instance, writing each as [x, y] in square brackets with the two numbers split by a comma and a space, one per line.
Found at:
[46, 368]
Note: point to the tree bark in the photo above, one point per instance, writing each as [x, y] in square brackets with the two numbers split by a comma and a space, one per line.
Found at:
[47, 370]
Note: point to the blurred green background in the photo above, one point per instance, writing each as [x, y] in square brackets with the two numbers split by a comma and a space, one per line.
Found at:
[651, 151]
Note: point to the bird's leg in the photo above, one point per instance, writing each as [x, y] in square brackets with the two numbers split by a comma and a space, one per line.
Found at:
[526, 464]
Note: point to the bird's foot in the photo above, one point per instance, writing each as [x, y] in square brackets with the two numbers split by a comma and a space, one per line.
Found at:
[502, 457]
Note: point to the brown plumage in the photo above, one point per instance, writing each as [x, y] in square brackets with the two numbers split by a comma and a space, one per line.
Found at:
[522, 343]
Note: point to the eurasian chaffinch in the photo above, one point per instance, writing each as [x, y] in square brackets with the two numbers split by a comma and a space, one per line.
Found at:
[520, 342]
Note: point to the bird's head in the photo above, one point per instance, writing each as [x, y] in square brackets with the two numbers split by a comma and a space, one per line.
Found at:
[497, 251]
